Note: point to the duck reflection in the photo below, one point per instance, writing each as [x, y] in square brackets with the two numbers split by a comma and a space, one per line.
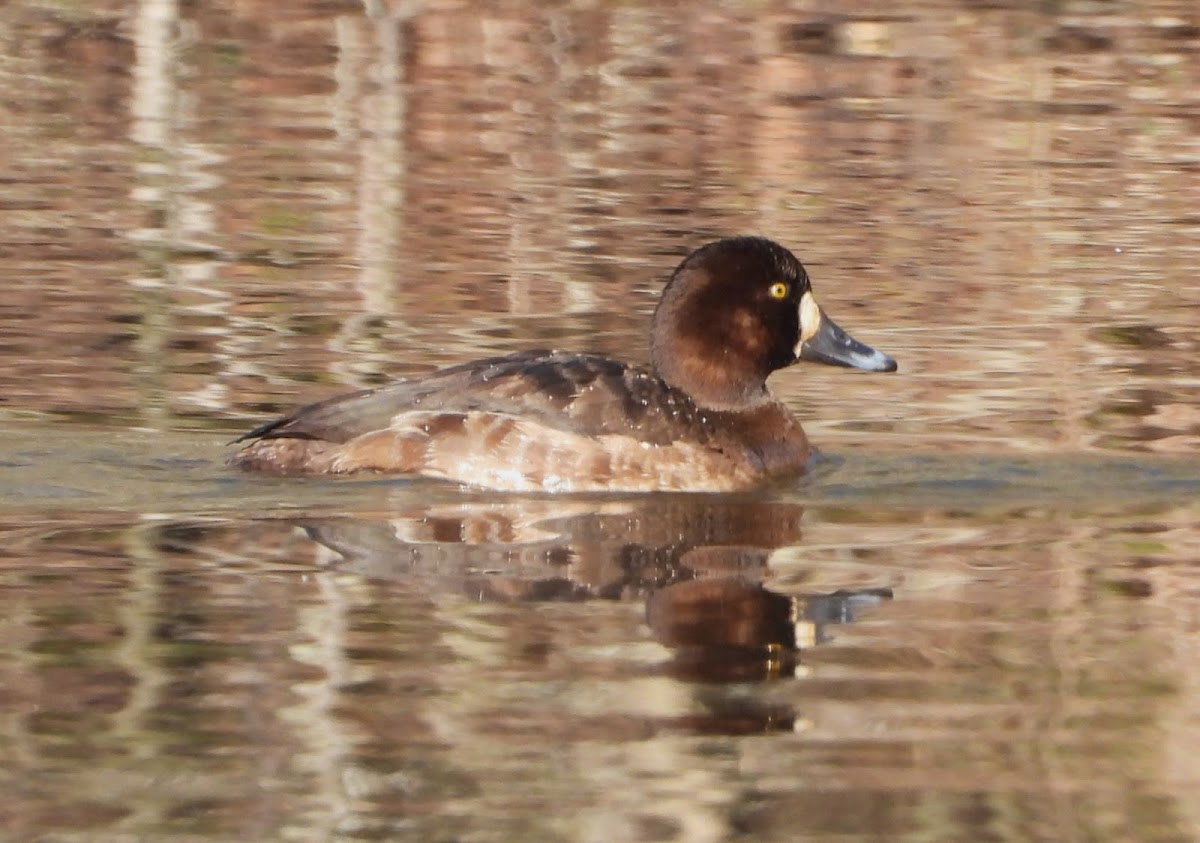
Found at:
[698, 563]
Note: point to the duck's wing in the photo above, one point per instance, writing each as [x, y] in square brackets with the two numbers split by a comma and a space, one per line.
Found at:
[585, 394]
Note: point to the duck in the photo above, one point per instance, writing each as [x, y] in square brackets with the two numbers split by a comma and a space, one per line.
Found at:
[699, 418]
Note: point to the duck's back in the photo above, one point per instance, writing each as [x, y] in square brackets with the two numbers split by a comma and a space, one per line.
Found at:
[536, 420]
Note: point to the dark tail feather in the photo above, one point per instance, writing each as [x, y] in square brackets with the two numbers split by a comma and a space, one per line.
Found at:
[260, 431]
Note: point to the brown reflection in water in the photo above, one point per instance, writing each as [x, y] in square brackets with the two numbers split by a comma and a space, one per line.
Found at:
[216, 679]
[698, 566]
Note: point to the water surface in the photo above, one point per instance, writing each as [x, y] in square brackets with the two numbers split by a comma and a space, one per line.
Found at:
[974, 621]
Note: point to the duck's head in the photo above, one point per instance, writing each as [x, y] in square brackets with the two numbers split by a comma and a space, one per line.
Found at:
[738, 309]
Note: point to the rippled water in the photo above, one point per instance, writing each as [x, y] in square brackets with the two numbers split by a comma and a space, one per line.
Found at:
[975, 621]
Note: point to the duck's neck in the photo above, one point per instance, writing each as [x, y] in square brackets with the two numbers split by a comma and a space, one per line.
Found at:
[712, 378]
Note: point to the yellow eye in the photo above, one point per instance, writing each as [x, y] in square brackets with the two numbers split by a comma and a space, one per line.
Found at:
[778, 290]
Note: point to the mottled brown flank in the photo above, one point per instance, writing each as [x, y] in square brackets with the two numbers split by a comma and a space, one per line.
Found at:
[600, 467]
[500, 428]
[286, 456]
[712, 451]
[445, 424]
[380, 450]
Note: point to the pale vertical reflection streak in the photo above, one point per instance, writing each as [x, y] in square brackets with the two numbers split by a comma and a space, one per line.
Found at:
[152, 109]
[380, 192]
[139, 614]
[153, 79]
[171, 177]
[540, 172]
[346, 73]
[522, 248]
[313, 719]
[579, 294]
[371, 116]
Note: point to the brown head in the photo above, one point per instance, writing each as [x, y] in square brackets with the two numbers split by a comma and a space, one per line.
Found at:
[735, 311]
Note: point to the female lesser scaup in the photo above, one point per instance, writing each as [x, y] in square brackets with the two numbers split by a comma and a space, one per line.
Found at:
[699, 419]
